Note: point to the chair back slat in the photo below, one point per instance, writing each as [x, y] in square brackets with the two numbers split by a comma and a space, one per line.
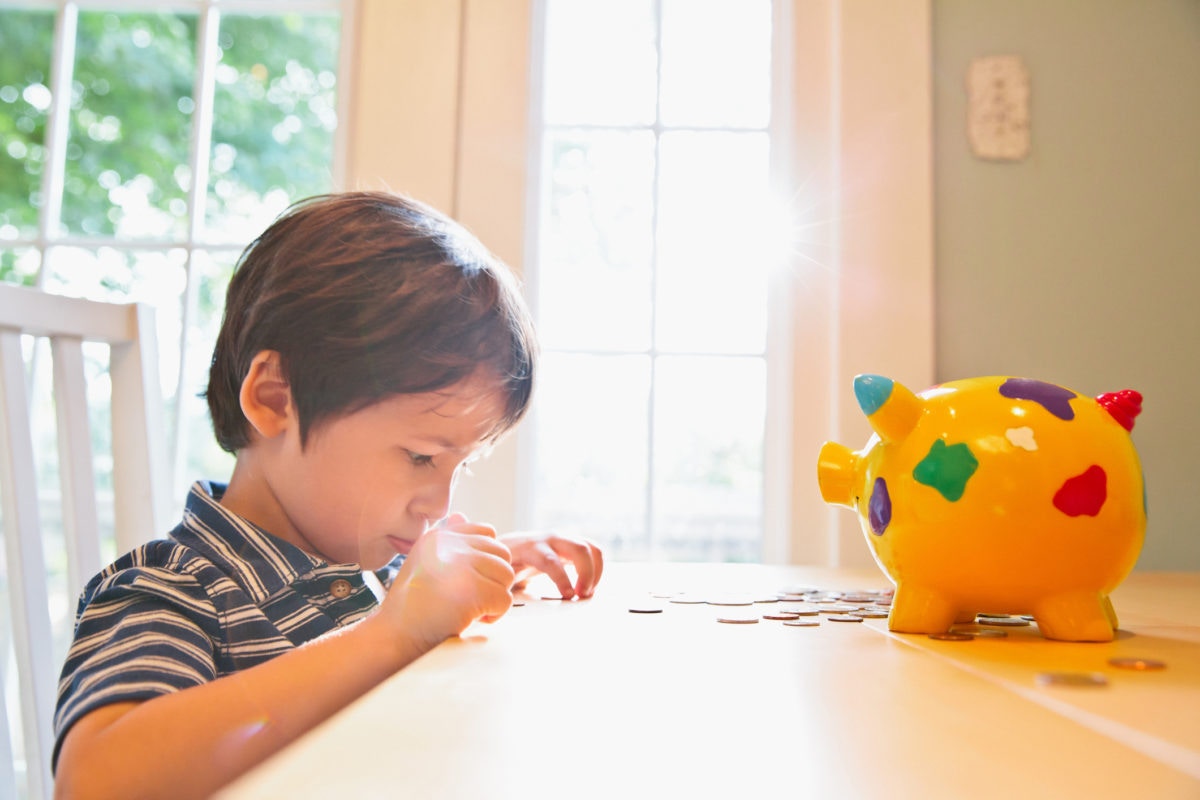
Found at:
[26, 569]
[80, 518]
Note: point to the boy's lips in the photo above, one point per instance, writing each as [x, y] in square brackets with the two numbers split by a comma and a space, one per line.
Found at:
[401, 546]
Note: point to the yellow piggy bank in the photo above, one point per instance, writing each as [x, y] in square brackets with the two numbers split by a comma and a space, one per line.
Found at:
[995, 495]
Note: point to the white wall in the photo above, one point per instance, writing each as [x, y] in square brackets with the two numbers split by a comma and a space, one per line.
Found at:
[1081, 264]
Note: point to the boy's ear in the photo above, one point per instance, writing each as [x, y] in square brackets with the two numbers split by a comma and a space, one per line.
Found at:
[266, 397]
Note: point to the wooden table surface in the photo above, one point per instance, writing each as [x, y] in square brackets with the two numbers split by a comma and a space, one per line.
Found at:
[588, 700]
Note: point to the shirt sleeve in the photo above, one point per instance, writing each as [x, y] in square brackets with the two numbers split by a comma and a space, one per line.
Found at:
[140, 632]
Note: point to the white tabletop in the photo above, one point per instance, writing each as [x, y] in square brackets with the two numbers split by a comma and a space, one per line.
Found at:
[589, 700]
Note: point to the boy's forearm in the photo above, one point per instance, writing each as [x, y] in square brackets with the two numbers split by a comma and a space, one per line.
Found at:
[190, 743]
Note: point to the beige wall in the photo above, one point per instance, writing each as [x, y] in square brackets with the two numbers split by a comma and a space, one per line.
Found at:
[441, 110]
[1081, 264]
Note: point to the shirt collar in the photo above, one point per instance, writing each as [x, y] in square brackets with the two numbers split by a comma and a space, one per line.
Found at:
[260, 563]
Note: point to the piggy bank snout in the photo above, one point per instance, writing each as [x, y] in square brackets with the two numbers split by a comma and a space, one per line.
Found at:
[837, 474]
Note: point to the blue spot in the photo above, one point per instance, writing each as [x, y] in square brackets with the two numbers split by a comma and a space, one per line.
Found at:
[871, 392]
[880, 507]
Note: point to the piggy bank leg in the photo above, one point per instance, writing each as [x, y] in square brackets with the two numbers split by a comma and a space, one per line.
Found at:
[1076, 617]
[916, 609]
[1111, 613]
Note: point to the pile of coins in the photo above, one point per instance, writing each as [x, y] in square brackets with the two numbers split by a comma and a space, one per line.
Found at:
[805, 607]
[794, 606]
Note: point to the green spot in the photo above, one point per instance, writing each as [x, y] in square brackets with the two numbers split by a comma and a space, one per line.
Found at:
[947, 468]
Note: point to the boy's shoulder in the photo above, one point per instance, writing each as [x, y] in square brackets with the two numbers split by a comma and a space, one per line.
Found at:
[156, 567]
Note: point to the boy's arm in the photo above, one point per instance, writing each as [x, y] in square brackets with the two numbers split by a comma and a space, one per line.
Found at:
[192, 742]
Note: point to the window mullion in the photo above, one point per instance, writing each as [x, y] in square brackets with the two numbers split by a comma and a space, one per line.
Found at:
[58, 125]
[651, 454]
[201, 148]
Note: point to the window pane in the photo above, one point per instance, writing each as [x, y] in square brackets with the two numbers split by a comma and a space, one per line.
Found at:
[708, 435]
[130, 125]
[205, 459]
[274, 119]
[596, 244]
[25, 45]
[716, 63]
[590, 425]
[714, 259]
[156, 278]
[600, 62]
[20, 265]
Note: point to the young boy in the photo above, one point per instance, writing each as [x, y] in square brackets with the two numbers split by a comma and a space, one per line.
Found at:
[370, 348]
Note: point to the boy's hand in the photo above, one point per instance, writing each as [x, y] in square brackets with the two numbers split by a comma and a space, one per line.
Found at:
[550, 553]
[455, 574]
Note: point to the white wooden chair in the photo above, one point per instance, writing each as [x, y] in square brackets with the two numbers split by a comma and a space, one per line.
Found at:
[139, 487]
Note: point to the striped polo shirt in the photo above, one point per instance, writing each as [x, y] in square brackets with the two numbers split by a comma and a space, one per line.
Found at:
[217, 596]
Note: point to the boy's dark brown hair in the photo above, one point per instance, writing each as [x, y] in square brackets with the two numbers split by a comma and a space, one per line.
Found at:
[368, 295]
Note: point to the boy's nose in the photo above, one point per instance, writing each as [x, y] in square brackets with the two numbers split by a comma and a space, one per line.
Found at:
[433, 500]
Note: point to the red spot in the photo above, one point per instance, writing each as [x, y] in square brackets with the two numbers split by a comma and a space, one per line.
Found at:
[1083, 494]
[1124, 406]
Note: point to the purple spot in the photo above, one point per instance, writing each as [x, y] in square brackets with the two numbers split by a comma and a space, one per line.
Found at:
[1054, 399]
[880, 508]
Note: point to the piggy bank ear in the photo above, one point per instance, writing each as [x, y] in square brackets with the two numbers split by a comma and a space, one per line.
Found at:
[892, 410]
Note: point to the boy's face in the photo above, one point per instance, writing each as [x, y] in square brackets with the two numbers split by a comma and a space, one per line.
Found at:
[367, 484]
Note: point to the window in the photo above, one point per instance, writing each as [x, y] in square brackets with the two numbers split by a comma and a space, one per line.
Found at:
[145, 144]
[142, 146]
[654, 251]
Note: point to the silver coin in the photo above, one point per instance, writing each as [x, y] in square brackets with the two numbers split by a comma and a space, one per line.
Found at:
[982, 633]
[731, 600]
[838, 608]
[952, 636]
[867, 613]
[738, 620]
[688, 600]
[802, 623]
[801, 612]
[1007, 622]
[843, 618]
[781, 616]
[1071, 679]
[1137, 664]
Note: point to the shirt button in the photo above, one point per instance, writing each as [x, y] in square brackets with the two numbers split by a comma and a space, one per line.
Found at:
[340, 588]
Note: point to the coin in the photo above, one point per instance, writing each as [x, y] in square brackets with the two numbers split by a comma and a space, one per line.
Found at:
[738, 620]
[645, 610]
[951, 636]
[869, 614]
[1137, 664]
[838, 608]
[801, 612]
[688, 599]
[781, 616]
[1007, 622]
[843, 618]
[731, 600]
[1071, 679]
[802, 623]
[982, 633]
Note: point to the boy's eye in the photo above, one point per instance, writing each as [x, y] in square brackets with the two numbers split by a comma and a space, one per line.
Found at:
[419, 460]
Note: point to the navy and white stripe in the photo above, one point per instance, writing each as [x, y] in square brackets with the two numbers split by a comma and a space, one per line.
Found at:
[218, 596]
